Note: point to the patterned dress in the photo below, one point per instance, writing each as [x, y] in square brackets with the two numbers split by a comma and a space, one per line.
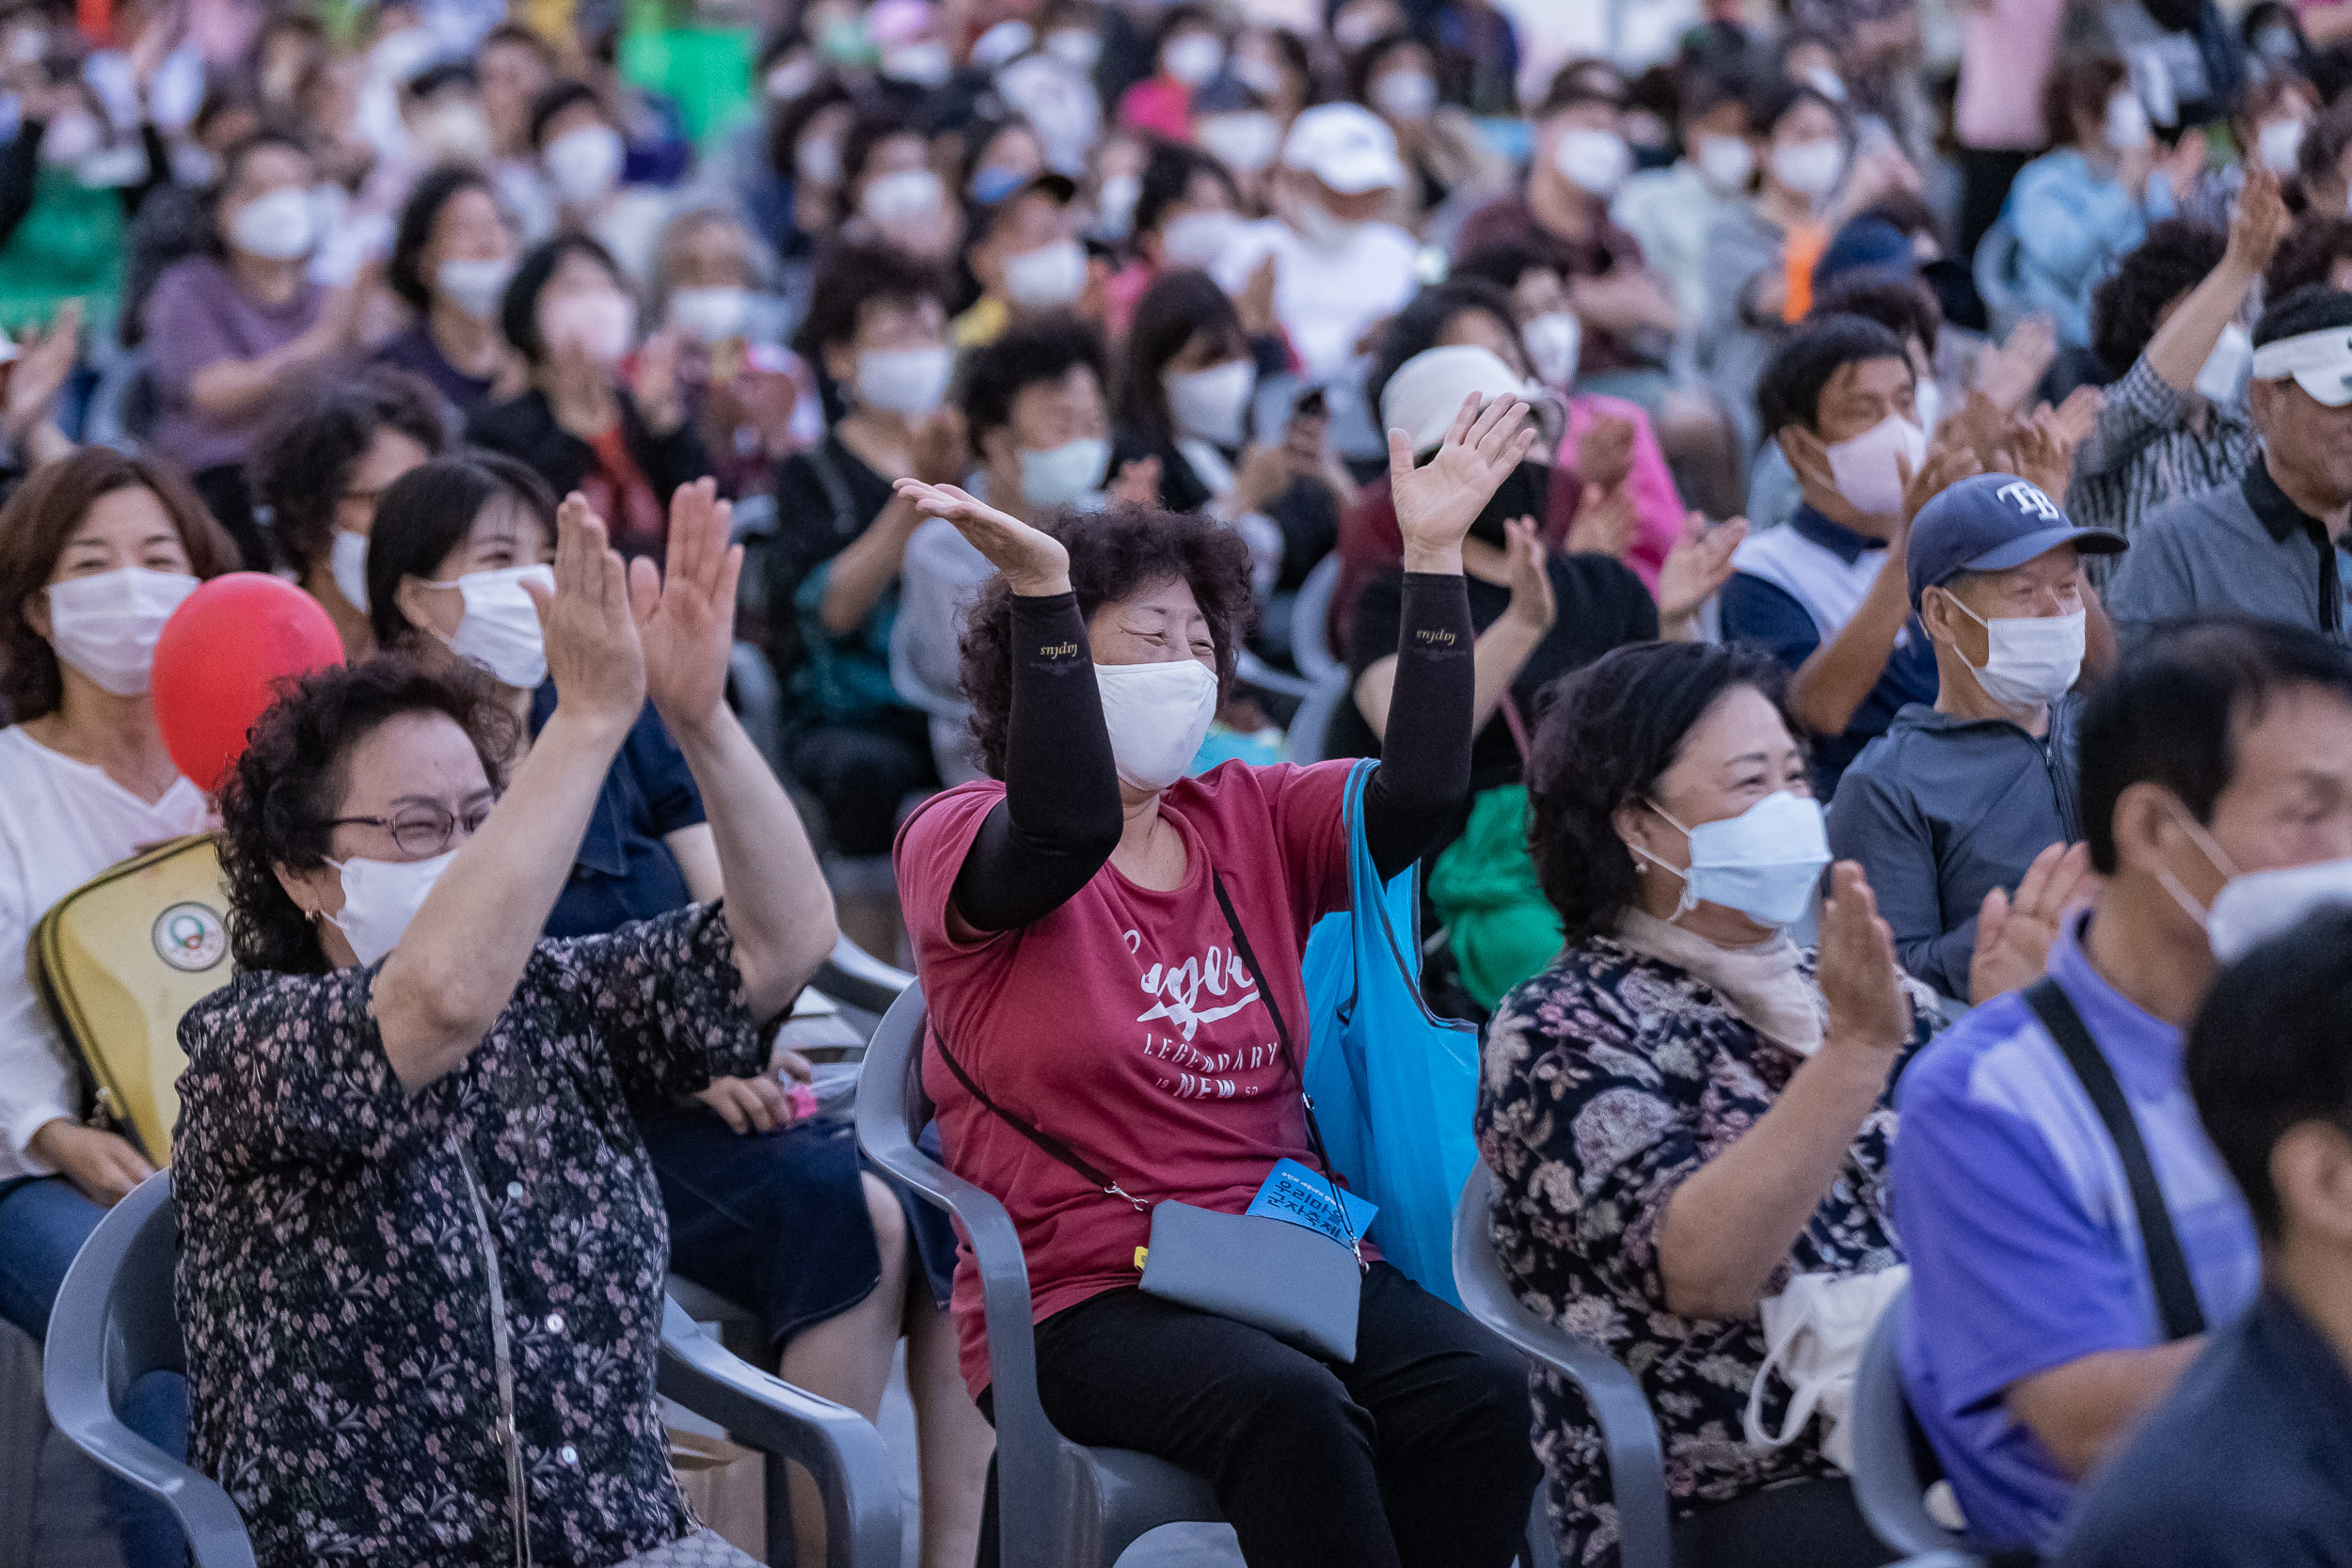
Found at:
[332, 1280]
[1605, 1082]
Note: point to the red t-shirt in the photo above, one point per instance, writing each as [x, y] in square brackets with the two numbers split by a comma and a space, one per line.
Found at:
[1123, 1024]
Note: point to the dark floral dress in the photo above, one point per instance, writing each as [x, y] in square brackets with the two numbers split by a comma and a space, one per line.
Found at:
[332, 1284]
[1604, 1083]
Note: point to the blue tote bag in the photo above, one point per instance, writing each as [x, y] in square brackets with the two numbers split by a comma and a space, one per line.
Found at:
[1394, 1085]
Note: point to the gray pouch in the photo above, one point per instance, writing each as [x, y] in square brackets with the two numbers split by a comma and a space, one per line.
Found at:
[1298, 1284]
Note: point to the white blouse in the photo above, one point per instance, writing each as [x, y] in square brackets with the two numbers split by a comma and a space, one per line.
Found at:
[61, 823]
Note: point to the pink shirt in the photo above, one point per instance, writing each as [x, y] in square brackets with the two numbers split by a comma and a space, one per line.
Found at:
[1159, 104]
[1123, 1024]
[1657, 503]
[2006, 50]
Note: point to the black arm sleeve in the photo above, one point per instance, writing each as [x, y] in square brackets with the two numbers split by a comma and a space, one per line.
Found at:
[1424, 770]
[1061, 817]
[20, 166]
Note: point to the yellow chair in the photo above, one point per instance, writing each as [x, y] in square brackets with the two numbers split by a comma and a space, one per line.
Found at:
[118, 961]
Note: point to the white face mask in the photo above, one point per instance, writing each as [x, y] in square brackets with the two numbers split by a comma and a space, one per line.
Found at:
[1074, 47]
[711, 315]
[910, 382]
[1553, 340]
[1810, 168]
[105, 625]
[2029, 660]
[817, 162]
[1007, 41]
[1764, 863]
[582, 164]
[279, 227]
[2127, 124]
[1725, 162]
[1194, 58]
[2278, 145]
[924, 64]
[1246, 141]
[2254, 906]
[1060, 475]
[905, 197]
[500, 628]
[1595, 162]
[71, 138]
[1320, 228]
[1212, 404]
[1410, 95]
[475, 287]
[600, 326]
[1198, 239]
[347, 564]
[1863, 468]
[455, 134]
[2222, 378]
[381, 899]
[1115, 204]
[1046, 279]
[1157, 715]
[1927, 401]
[1821, 79]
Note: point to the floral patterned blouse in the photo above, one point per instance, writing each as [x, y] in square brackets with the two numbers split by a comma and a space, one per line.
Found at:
[1605, 1082]
[332, 1285]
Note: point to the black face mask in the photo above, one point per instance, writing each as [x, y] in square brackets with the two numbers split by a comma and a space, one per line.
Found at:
[1525, 492]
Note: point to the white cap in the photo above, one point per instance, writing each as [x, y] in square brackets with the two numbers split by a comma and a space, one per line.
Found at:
[1428, 390]
[1346, 145]
[2320, 362]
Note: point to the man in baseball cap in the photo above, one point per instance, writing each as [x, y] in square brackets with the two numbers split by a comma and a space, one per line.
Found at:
[1957, 800]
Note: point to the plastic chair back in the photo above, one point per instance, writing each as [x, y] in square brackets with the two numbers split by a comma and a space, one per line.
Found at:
[119, 960]
[113, 1324]
[1995, 270]
[1061, 1505]
[1310, 615]
[1889, 1482]
[1637, 1466]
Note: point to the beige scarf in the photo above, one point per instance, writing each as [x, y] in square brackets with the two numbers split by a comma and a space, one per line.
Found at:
[1761, 983]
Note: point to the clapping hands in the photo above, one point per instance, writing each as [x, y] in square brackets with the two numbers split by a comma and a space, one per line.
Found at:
[1437, 503]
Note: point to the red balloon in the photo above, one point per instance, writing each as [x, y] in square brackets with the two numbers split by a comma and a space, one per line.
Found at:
[218, 660]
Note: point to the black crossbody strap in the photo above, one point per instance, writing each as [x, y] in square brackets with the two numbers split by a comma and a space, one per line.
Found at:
[1283, 1033]
[1046, 1141]
[2176, 1292]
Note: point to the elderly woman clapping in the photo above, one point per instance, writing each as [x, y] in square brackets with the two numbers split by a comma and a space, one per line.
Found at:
[421, 1249]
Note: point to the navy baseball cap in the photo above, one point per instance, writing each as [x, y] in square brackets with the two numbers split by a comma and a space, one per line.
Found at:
[1990, 523]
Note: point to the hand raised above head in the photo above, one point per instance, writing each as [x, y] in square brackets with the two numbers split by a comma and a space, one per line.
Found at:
[686, 614]
[1033, 560]
[594, 655]
[1437, 503]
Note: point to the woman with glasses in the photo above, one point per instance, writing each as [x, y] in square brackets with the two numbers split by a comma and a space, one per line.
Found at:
[421, 1247]
[96, 551]
[766, 1207]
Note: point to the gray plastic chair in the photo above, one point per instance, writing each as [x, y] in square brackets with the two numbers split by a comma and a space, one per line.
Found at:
[114, 1322]
[1311, 614]
[1058, 1505]
[1629, 1433]
[1889, 1484]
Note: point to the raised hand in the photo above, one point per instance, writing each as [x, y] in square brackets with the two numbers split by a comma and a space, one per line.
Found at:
[1945, 467]
[2013, 935]
[1033, 561]
[1437, 503]
[2041, 450]
[1604, 523]
[1699, 563]
[2260, 222]
[2008, 374]
[940, 454]
[1604, 453]
[594, 655]
[39, 370]
[1532, 604]
[1137, 484]
[685, 614]
[1868, 1008]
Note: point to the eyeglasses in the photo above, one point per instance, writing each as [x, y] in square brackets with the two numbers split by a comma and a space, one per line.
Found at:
[423, 832]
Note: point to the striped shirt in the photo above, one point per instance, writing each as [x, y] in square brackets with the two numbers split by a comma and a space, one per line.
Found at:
[2152, 444]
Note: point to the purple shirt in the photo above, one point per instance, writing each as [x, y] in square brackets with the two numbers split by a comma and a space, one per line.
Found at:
[2025, 1248]
[197, 317]
[415, 352]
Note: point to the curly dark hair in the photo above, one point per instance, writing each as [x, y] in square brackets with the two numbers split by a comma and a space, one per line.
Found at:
[1113, 556]
[302, 463]
[1043, 350]
[2172, 259]
[34, 527]
[1608, 730]
[275, 801]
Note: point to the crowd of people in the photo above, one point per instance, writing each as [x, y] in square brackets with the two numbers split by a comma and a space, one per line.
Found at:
[1833, 546]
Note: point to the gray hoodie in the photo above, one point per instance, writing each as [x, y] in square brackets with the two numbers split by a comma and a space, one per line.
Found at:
[1940, 811]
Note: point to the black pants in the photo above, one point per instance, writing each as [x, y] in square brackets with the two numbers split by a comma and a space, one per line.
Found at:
[1985, 177]
[861, 775]
[225, 495]
[1808, 1524]
[1416, 1455]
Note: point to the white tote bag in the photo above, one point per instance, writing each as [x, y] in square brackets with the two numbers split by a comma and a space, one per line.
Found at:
[1813, 1331]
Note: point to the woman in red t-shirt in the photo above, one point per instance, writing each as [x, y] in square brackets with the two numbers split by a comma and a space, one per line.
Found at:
[1079, 967]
